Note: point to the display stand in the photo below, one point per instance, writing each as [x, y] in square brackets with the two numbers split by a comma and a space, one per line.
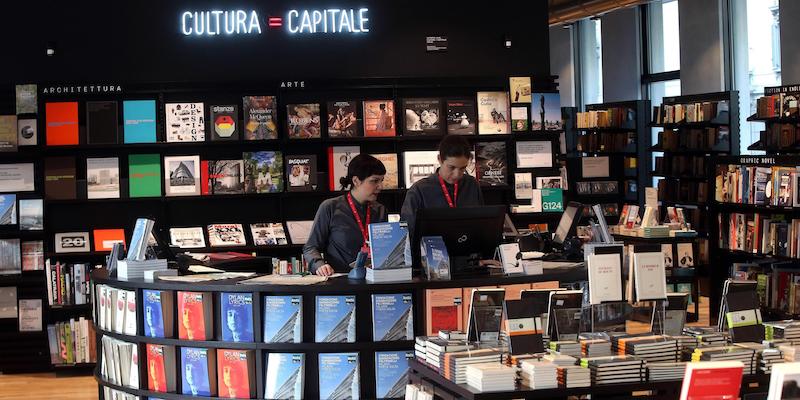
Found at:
[606, 317]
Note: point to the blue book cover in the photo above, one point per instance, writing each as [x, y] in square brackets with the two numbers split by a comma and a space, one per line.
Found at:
[338, 376]
[285, 376]
[283, 319]
[391, 373]
[139, 118]
[437, 259]
[387, 241]
[195, 377]
[153, 315]
[392, 317]
[236, 315]
[335, 319]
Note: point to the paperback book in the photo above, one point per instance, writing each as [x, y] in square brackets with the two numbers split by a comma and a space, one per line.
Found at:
[491, 163]
[335, 319]
[260, 116]
[236, 316]
[32, 255]
[220, 235]
[344, 119]
[493, 113]
[198, 372]
[391, 373]
[195, 316]
[101, 122]
[418, 165]
[182, 175]
[285, 376]
[8, 209]
[8, 133]
[268, 234]
[339, 376]
[144, 175]
[392, 317]
[158, 313]
[27, 132]
[225, 122]
[389, 161]
[283, 319]
[223, 177]
[520, 89]
[139, 121]
[61, 122]
[160, 368]
[339, 158]
[185, 122]
[303, 121]
[519, 119]
[387, 242]
[26, 98]
[187, 238]
[102, 178]
[301, 173]
[546, 112]
[236, 373]
[263, 171]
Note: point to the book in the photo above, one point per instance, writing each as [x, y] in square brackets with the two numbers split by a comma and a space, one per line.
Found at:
[519, 119]
[30, 315]
[144, 175]
[379, 118]
[61, 123]
[338, 159]
[185, 122]
[285, 376]
[546, 112]
[523, 185]
[268, 234]
[32, 255]
[263, 171]
[160, 368]
[422, 116]
[485, 311]
[387, 242]
[389, 161]
[8, 302]
[283, 319]
[158, 306]
[520, 89]
[493, 113]
[523, 326]
[391, 373]
[198, 371]
[784, 381]
[27, 132]
[335, 319]
[9, 139]
[224, 122]
[649, 276]
[443, 310]
[195, 316]
[534, 154]
[59, 178]
[605, 278]
[26, 99]
[102, 178]
[139, 121]
[19, 177]
[344, 119]
[491, 163]
[224, 177]
[461, 117]
[712, 380]
[72, 242]
[236, 316]
[339, 376]
[187, 238]
[10, 257]
[392, 317]
[301, 173]
[303, 121]
[549, 182]
[104, 239]
[8, 209]
[260, 117]
[418, 165]
[220, 235]
[299, 231]
[102, 122]
[434, 257]
[685, 257]
[182, 175]
[236, 373]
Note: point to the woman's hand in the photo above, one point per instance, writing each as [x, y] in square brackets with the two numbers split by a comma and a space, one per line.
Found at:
[325, 270]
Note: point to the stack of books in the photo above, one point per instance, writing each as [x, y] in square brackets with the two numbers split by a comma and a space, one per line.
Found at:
[666, 371]
[566, 347]
[595, 348]
[748, 357]
[787, 330]
[454, 364]
[615, 369]
[436, 348]
[574, 376]
[129, 269]
[767, 358]
[560, 360]
[651, 348]
[420, 348]
[685, 343]
[491, 377]
[660, 231]
[539, 374]
[790, 352]
[707, 335]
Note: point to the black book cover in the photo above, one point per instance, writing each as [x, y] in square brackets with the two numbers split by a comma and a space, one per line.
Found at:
[59, 178]
[344, 119]
[422, 116]
[461, 117]
[486, 310]
[225, 122]
[301, 173]
[524, 336]
[743, 316]
[101, 122]
[491, 163]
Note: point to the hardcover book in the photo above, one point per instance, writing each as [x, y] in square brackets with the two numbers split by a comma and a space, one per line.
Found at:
[187, 238]
[260, 116]
[389, 161]
[338, 159]
[392, 317]
[519, 119]
[104, 239]
[182, 175]
[387, 242]
[339, 376]
[198, 372]
[19, 177]
[101, 122]
[144, 175]
[418, 165]
[8, 209]
[461, 117]
[303, 121]
[59, 178]
[685, 255]
[158, 313]
[649, 276]
[236, 372]
[520, 89]
[605, 278]
[283, 319]
[268, 234]
[61, 121]
[493, 113]
[299, 231]
[263, 171]
[32, 255]
[26, 99]
[27, 132]
[226, 235]
[335, 319]
[72, 242]
[285, 373]
[139, 121]
[491, 163]
[195, 316]
[185, 122]
[102, 178]
[379, 118]
[225, 122]
[546, 112]
[422, 116]
[160, 368]
[10, 257]
[391, 373]
[344, 119]
[236, 316]
[225, 177]
[301, 173]
[8, 133]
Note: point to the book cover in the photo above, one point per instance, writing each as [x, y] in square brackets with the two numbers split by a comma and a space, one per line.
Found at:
[422, 116]
[520, 89]
[8, 209]
[784, 380]
[435, 258]
[339, 376]
[649, 276]
[268, 234]
[263, 171]
[335, 319]
[102, 178]
[10, 257]
[32, 255]
[26, 99]
[302, 121]
[605, 278]
[102, 122]
[236, 373]
[61, 122]
[301, 173]
[344, 119]
[389, 161]
[669, 255]
[8, 133]
[491, 163]
[391, 373]
[443, 310]
[685, 257]
[418, 165]
[461, 117]
[27, 132]
[182, 175]
[283, 319]
[392, 317]
[546, 112]
[198, 374]
[226, 176]
[338, 159]
[225, 122]
[59, 178]
[285, 376]
[260, 117]
[299, 231]
[72, 242]
[549, 182]
[236, 316]
[226, 235]
[485, 312]
[379, 118]
[712, 380]
[519, 119]
[160, 360]
[144, 175]
[187, 238]
[19, 177]
[387, 241]
[153, 313]
[185, 122]
[104, 239]
[493, 113]
[194, 318]
[139, 121]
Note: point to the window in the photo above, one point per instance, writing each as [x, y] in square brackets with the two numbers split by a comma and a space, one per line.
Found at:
[591, 61]
[664, 36]
[659, 90]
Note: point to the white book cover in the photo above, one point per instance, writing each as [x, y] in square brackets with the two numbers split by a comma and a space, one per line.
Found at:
[133, 380]
[339, 159]
[185, 122]
[549, 182]
[268, 234]
[130, 314]
[182, 175]
[299, 231]
[101, 306]
[187, 238]
[523, 184]
[650, 278]
[784, 378]
[493, 113]
[17, 178]
[102, 178]
[226, 235]
[534, 154]
[685, 255]
[120, 305]
[605, 278]
[536, 200]
[30, 315]
[418, 165]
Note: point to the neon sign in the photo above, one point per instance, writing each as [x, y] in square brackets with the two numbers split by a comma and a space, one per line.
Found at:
[330, 20]
[248, 22]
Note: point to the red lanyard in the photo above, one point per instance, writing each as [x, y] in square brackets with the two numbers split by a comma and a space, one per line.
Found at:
[450, 201]
[363, 228]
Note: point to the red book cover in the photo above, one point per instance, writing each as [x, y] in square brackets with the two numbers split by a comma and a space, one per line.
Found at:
[443, 310]
[156, 375]
[192, 324]
[331, 176]
[104, 239]
[719, 380]
[204, 178]
[379, 118]
[61, 119]
[233, 374]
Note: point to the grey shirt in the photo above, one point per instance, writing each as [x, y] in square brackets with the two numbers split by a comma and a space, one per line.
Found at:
[427, 193]
[336, 234]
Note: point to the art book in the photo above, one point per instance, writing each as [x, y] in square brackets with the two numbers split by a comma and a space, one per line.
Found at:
[8, 209]
[301, 173]
[389, 161]
[160, 368]
[26, 99]
[195, 316]
[59, 178]
[187, 238]
[418, 165]
[338, 159]
[158, 313]
[104, 239]
[379, 118]
[387, 242]
[422, 116]
[491, 164]
[260, 117]
[225, 122]
[443, 310]
[335, 319]
[139, 121]
[434, 257]
[392, 317]
[461, 117]
[198, 372]
[283, 319]
[303, 121]
[546, 112]
[519, 119]
[339, 376]
[236, 373]
[182, 175]
[27, 132]
[268, 234]
[226, 235]
[391, 373]
[61, 121]
[236, 316]
[520, 89]
[223, 177]
[8, 133]
[102, 178]
[344, 119]
[285, 373]
[32, 255]
[185, 122]
[144, 175]
[493, 113]
[263, 171]
[101, 122]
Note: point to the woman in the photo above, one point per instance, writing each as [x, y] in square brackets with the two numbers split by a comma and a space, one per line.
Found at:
[340, 230]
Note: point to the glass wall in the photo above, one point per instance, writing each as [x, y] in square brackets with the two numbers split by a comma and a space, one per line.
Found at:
[664, 36]
[591, 63]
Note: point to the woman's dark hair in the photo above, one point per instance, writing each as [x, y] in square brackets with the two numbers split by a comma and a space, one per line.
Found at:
[454, 146]
[363, 166]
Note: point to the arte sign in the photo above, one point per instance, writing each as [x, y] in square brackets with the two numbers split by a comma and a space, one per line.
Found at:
[295, 21]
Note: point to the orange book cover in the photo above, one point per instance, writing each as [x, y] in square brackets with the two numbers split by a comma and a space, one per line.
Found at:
[545, 285]
[514, 292]
[379, 118]
[156, 375]
[443, 310]
[192, 324]
[104, 239]
[234, 372]
[61, 120]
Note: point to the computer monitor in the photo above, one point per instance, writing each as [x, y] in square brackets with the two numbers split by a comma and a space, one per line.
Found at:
[470, 234]
[568, 223]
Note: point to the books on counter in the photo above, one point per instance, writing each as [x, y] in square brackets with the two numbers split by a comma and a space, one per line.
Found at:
[387, 241]
[67, 284]
[615, 369]
[491, 377]
[283, 319]
[335, 319]
[119, 363]
[285, 376]
[195, 321]
[236, 373]
[236, 316]
[198, 371]
[719, 380]
[72, 342]
[160, 368]
[158, 308]
[391, 373]
[339, 376]
[453, 364]
[116, 309]
[392, 317]
[524, 333]
[574, 376]
[539, 374]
